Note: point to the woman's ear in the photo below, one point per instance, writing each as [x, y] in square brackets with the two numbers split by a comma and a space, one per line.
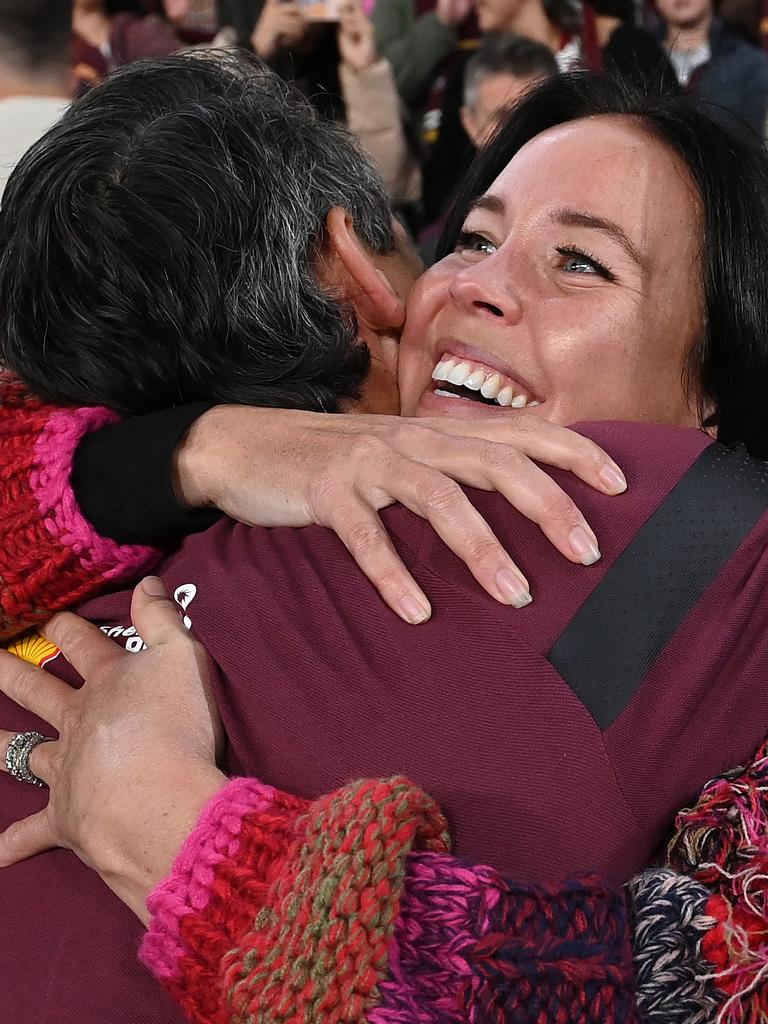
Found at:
[350, 269]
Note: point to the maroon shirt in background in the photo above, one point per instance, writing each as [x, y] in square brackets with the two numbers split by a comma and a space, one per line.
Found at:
[319, 683]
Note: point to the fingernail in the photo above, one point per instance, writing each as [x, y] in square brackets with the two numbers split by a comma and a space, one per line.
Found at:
[613, 479]
[413, 611]
[153, 586]
[583, 546]
[513, 589]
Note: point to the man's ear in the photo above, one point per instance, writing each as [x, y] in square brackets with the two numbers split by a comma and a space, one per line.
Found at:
[349, 268]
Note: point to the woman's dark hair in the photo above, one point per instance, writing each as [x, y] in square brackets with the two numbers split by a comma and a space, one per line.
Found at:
[728, 368]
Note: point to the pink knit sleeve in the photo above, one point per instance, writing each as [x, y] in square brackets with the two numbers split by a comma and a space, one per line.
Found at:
[350, 908]
[51, 557]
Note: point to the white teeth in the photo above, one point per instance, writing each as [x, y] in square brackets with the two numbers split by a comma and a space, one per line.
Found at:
[442, 369]
[475, 382]
[459, 374]
[489, 383]
[492, 386]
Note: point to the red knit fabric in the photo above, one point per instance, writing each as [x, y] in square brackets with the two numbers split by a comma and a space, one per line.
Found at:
[50, 559]
[301, 919]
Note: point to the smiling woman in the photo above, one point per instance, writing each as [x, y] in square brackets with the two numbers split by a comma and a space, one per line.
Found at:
[601, 230]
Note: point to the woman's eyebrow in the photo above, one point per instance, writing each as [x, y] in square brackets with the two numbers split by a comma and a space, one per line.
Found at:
[575, 219]
[491, 204]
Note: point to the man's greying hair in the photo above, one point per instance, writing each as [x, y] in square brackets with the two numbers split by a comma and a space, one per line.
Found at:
[505, 54]
[35, 34]
[157, 245]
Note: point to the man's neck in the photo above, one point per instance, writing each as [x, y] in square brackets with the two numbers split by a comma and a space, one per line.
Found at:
[54, 85]
[532, 22]
[689, 37]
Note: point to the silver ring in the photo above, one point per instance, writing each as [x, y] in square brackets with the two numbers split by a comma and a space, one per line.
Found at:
[19, 752]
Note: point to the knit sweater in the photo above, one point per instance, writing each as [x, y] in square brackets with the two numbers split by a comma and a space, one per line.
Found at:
[51, 557]
[351, 908]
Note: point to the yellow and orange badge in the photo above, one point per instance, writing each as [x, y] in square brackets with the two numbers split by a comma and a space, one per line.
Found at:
[35, 649]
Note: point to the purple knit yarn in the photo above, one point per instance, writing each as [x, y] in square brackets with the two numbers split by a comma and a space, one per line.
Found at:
[471, 947]
[443, 914]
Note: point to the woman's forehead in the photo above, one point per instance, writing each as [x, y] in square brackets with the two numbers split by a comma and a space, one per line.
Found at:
[607, 167]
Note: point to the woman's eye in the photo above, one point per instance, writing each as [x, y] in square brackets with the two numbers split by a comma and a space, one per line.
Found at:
[578, 265]
[471, 241]
[576, 262]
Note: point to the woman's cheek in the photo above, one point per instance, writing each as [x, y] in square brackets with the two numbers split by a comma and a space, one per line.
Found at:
[416, 362]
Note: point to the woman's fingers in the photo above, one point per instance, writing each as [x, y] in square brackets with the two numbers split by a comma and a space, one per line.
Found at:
[529, 489]
[360, 529]
[34, 690]
[85, 647]
[441, 501]
[155, 616]
[380, 476]
[26, 838]
[540, 440]
[39, 759]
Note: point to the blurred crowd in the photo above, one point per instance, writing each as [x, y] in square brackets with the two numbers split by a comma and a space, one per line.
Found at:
[422, 83]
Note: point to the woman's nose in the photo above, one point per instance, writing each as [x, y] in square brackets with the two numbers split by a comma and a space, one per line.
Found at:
[481, 291]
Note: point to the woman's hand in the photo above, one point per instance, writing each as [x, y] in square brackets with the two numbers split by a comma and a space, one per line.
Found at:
[357, 37]
[281, 23]
[270, 467]
[135, 761]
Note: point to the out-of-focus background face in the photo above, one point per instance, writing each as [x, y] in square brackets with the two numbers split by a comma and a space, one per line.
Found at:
[422, 84]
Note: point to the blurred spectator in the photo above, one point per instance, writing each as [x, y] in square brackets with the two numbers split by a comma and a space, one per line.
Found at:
[236, 20]
[501, 72]
[745, 16]
[302, 51]
[35, 83]
[553, 23]
[415, 36]
[373, 107]
[627, 50]
[194, 21]
[714, 61]
[110, 33]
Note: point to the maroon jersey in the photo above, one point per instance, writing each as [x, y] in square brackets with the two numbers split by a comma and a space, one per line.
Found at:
[319, 683]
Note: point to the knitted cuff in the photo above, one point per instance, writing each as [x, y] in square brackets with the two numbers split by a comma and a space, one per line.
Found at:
[188, 888]
[51, 557]
[298, 900]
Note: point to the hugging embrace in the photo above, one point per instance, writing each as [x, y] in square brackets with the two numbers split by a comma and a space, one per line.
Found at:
[195, 274]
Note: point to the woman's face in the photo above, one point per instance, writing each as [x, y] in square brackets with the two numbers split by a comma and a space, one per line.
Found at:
[574, 289]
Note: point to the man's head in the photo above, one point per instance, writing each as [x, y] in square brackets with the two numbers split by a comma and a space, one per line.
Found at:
[167, 241]
[503, 70]
[34, 41]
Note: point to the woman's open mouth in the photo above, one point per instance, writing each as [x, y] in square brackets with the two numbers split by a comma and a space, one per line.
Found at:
[473, 382]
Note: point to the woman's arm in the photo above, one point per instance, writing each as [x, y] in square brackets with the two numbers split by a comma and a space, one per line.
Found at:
[339, 909]
[51, 556]
[348, 907]
[86, 508]
[373, 107]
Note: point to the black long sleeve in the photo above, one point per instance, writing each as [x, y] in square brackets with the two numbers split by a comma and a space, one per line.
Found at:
[122, 479]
